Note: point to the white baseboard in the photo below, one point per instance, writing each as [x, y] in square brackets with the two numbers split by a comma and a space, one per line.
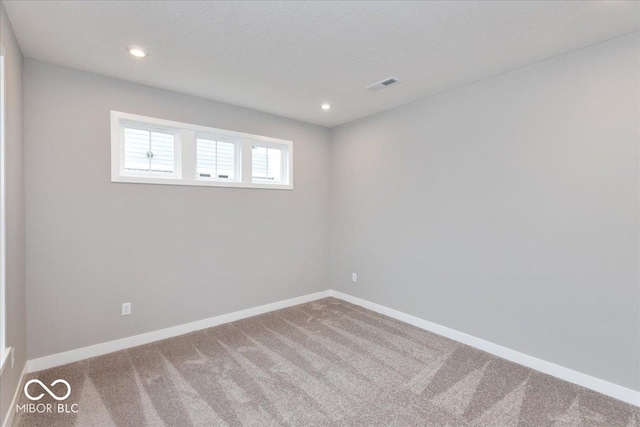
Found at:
[584, 380]
[136, 340]
[11, 412]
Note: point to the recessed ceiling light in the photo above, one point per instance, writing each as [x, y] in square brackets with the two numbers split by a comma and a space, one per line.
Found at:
[137, 51]
[325, 106]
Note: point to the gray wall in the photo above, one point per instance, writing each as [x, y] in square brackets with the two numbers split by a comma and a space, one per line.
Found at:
[16, 314]
[506, 209]
[179, 254]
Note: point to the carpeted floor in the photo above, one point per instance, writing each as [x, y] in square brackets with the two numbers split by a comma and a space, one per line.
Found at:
[324, 363]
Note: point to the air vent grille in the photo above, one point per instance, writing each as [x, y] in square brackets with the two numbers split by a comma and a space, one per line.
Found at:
[384, 84]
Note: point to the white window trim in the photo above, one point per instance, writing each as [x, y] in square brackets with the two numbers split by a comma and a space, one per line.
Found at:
[186, 170]
[5, 350]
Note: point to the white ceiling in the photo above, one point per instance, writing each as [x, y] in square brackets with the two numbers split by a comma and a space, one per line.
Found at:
[287, 58]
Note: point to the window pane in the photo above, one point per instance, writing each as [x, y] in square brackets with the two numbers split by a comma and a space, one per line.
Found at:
[162, 153]
[226, 160]
[136, 146]
[206, 158]
[259, 164]
[216, 159]
[274, 172]
[148, 151]
[267, 165]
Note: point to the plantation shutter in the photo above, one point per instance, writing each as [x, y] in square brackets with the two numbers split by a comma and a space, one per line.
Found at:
[215, 159]
[266, 164]
[149, 152]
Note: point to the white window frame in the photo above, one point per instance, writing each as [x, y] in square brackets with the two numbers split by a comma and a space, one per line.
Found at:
[285, 158]
[185, 171]
[151, 128]
[237, 161]
[5, 350]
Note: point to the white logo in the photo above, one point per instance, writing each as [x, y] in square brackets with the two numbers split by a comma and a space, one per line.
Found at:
[52, 394]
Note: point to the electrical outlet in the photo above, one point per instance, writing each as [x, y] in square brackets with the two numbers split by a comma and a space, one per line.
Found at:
[354, 277]
[126, 308]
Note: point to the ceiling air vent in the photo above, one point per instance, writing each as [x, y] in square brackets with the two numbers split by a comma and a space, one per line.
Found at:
[384, 83]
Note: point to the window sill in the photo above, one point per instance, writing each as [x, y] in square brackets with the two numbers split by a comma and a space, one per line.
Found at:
[197, 182]
[4, 358]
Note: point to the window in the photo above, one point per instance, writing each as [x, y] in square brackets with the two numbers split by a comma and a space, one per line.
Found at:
[148, 152]
[154, 151]
[216, 159]
[267, 164]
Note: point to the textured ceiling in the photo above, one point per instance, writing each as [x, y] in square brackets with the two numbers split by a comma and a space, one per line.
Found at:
[286, 58]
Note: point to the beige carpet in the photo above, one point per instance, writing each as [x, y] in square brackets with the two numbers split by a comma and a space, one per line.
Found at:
[325, 363]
